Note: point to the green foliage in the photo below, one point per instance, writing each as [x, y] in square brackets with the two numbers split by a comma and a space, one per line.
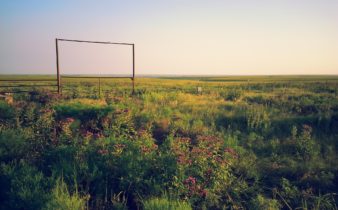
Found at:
[232, 94]
[82, 111]
[289, 191]
[13, 146]
[7, 112]
[165, 204]
[306, 146]
[257, 118]
[203, 168]
[62, 199]
[260, 202]
[23, 187]
[267, 143]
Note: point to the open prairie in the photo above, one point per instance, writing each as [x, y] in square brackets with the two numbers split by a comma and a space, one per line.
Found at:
[253, 142]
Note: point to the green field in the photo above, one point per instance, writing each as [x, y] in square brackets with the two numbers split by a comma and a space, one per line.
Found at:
[243, 142]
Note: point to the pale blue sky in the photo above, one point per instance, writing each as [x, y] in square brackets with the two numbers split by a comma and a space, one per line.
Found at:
[171, 37]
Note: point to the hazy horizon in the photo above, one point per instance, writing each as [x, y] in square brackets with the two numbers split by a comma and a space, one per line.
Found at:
[203, 38]
[171, 75]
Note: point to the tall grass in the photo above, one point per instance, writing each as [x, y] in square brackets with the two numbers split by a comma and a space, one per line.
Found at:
[62, 199]
[165, 204]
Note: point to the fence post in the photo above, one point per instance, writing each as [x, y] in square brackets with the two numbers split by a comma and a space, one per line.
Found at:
[133, 69]
[57, 67]
[99, 87]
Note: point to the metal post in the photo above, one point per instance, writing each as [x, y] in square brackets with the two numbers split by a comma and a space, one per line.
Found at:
[57, 67]
[133, 69]
[99, 87]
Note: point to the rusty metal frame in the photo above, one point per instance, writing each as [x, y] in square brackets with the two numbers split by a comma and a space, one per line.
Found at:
[58, 74]
[59, 84]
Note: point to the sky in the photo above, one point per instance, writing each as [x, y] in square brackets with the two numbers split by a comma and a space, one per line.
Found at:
[176, 37]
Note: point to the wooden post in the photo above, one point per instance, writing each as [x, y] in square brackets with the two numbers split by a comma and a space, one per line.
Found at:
[57, 67]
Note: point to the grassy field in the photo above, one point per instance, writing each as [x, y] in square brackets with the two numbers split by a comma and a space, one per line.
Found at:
[243, 142]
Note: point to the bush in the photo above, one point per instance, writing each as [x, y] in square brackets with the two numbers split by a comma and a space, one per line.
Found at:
[204, 168]
[81, 110]
[257, 118]
[24, 187]
[232, 95]
[305, 144]
[13, 146]
[7, 112]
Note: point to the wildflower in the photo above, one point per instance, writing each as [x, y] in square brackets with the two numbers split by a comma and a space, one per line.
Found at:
[183, 159]
[190, 181]
[203, 193]
[230, 151]
[102, 151]
[69, 120]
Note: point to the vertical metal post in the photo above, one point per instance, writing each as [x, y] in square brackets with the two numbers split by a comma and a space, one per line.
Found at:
[57, 67]
[99, 87]
[133, 69]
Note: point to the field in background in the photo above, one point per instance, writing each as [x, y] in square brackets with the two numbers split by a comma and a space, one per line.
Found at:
[262, 142]
[90, 85]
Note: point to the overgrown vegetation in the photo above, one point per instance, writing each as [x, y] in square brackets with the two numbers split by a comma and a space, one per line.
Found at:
[257, 143]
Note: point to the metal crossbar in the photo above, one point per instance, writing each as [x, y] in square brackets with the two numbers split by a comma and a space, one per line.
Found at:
[20, 83]
[11, 86]
[26, 80]
[96, 77]
[94, 42]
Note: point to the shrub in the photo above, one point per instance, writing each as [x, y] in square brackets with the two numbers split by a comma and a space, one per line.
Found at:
[305, 144]
[232, 95]
[262, 203]
[203, 165]
[257, 118]
[289, 192]
[81, 110]
[13, 146]
[161, 130]
[7, 112]
[25, 187]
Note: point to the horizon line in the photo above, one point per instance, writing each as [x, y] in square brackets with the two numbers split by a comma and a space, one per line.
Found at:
[174, 75]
